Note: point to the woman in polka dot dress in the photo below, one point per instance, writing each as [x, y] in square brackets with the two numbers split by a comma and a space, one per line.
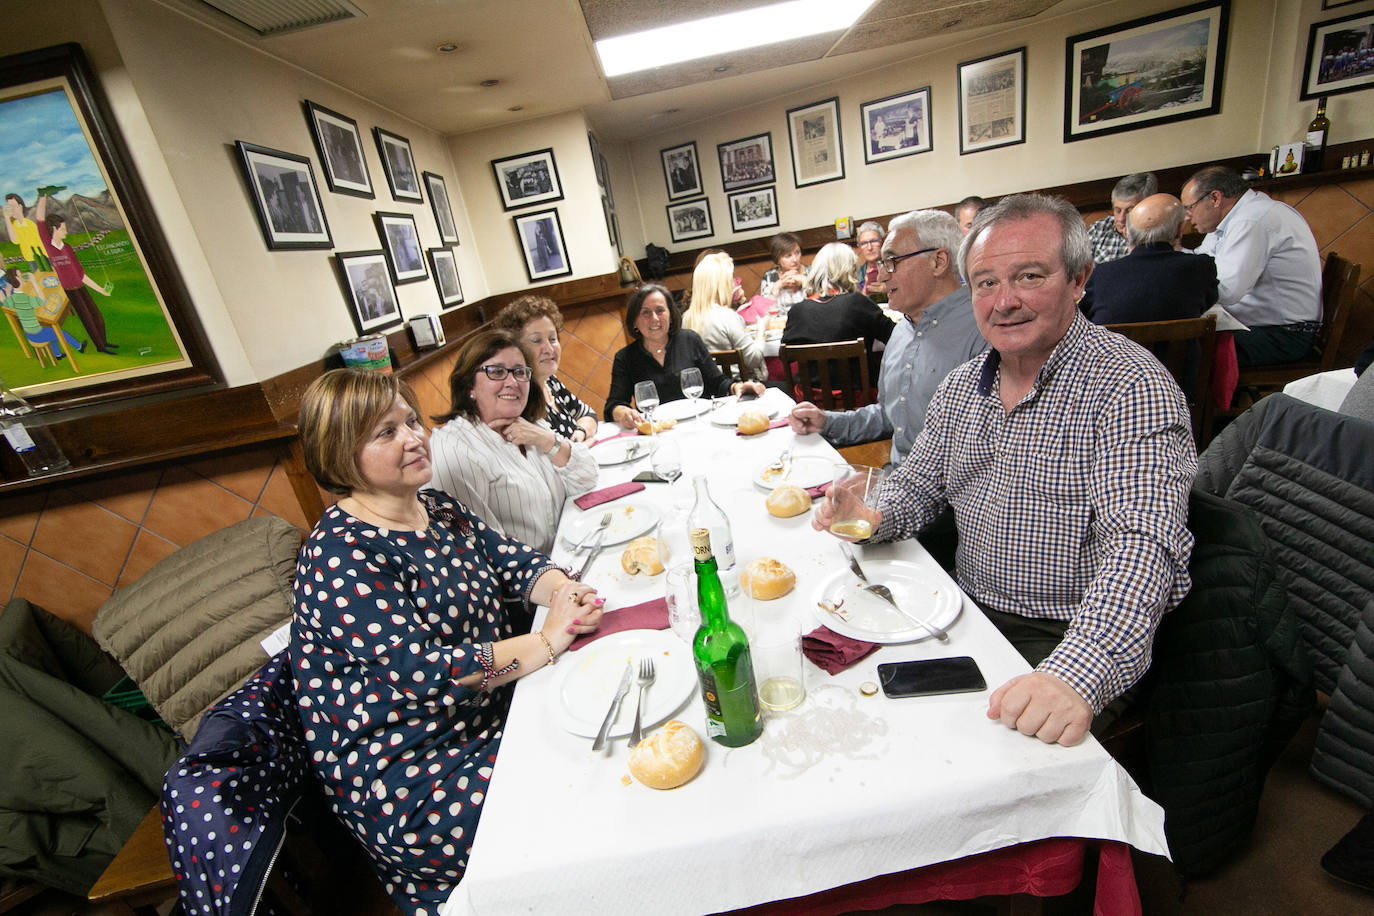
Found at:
[399, 643]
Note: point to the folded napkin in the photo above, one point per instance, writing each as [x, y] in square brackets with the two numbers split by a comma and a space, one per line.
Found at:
[606, 494]
[651, 615]
[818, 490]
[628, 432]
[776, 424]
[756, 308]
[832, 652]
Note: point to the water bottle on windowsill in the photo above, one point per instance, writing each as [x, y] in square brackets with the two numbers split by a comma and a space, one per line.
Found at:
[27, 433]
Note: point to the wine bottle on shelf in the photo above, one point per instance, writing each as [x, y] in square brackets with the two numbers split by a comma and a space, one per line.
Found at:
[1318, 131]
[706, 514]
[28, 435]
[720, 649]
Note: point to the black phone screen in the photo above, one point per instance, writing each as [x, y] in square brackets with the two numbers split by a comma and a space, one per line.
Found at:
[931, 677]
[647, 477]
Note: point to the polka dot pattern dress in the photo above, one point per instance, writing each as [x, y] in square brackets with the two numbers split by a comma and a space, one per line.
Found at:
[386, 623]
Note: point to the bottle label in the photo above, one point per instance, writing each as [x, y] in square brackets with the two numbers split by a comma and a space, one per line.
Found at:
[18, 437]
[710, 696]
[1316, 138]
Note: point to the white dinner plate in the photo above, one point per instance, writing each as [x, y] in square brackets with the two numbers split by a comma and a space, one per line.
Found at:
[682, 410]
[933, 599]
[628, 520]
[585, 681]
[806, 471]
[727, 414]
[619, 451]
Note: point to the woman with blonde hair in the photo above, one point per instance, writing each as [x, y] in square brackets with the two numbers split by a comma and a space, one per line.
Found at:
[834, 309]
[710, 316]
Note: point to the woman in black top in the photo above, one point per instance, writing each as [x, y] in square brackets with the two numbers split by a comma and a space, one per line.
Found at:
[834, 310]
[660, 348]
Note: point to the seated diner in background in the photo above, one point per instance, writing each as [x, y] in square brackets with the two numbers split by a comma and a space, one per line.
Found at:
[869, 246]
[834, 309]
[783, 281]
[1268, 268]
[1156, 281]
[966, 209]
[538, 323]
[1066, 453]
[659, 349]
[1108, 234]
[496, 452]
[382, 675]
[718, 325]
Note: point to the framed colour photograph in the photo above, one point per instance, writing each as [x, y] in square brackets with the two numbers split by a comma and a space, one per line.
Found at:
[541, 243]
[681, 170]
[814, 132]
[340, 146]
[747, 162]
[1154, 70]
[992, 101]
[367, 286]
[285, 198]
[443, 210]
[399, 164]
[689, 220]
[446, 276]
[401, 242]
[755, 208]
[896, 126]
[527, 179]
[1339, 56]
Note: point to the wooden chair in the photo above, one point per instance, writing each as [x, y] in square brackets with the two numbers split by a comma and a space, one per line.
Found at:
[731, 362]
[831, 375]
[1172, 343]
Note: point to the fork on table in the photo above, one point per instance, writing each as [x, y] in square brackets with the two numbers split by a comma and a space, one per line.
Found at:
[646, 677]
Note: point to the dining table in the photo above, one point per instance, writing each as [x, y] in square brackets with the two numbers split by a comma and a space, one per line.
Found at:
[838, 795]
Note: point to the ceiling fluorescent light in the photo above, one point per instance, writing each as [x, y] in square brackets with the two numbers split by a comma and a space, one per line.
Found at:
[764, 25]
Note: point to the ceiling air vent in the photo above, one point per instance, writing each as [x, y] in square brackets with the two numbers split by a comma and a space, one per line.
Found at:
[273, 17]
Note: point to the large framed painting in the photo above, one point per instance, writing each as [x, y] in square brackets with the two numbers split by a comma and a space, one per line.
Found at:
[371, 297]
[992, 101]
[93, 302]
[814, 131]
[1340, 56]
[1154, 70]
[341, 150]
[896, 126]
[529, 178]
[681, 170]
[541, 242]
[398, 161]
[747, 162]
[285, 198]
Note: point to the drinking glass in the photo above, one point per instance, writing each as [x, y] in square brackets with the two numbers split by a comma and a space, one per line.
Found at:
[692, 385]
[667, 460]
[681, 596]
[777, 657]
[855, 488]
[646, 400]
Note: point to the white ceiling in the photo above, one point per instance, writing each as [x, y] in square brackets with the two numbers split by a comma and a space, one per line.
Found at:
[541, 52]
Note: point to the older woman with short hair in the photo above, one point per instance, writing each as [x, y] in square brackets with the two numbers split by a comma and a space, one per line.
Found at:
[834, 309]
[496, 451]
[870, 247]
[401, 649]
[538, 323]
[719, 326]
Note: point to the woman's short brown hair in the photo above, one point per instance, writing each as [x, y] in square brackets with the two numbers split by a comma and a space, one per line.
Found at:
[480, 348]
[338, 411]
[520, 312]
[781, 244]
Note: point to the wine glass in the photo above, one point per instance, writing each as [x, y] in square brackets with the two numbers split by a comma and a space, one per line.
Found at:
[692, 386]
[667, 460]
[646, 399]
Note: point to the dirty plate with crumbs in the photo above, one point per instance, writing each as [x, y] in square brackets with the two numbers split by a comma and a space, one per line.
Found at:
[628, 520]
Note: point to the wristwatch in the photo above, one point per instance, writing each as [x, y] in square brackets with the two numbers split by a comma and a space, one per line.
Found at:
[557, 444]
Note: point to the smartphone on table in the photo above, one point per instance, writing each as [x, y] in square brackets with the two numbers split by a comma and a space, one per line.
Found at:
[931, 677]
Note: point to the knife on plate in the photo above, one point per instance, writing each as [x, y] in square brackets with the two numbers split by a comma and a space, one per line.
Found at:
[592, 551]
[620, 692]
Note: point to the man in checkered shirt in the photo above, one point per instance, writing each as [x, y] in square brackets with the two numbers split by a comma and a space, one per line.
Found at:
[1108, 235]
[1066, 454]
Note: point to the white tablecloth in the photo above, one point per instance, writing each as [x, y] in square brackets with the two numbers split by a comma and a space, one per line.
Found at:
[843, 788]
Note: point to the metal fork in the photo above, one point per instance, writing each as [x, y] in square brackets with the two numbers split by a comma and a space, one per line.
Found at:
[783, 461]
[604, 521]
[885, 593]
[646, 677]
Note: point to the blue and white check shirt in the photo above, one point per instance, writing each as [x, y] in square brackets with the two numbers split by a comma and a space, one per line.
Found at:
[1108, 244]
[1073, 505]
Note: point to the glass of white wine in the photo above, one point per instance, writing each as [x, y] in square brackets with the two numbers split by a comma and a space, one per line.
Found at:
[852, 495]
[692, 385]
[646, 401]
[667, 460]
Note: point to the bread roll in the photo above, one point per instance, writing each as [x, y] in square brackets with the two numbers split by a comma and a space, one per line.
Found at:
[788, 500]
[751, 422]
[668, 757]
[642, 556]
[659, 426]
[766, 578]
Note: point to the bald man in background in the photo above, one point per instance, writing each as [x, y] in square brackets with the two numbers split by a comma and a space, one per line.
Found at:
[1155, 281]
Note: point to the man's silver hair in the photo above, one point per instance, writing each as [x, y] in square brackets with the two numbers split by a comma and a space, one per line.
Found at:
[1074, 245]
[1136, 186]
[1165, 231]
[935, 229]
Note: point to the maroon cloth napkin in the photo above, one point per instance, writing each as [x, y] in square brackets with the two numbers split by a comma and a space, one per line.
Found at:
[628, 432]
[651, 615]
[606, 494]
[832, 652]
[776, 424]
[818, 490]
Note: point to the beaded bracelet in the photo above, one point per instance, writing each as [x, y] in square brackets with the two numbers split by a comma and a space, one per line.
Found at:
[553, 659]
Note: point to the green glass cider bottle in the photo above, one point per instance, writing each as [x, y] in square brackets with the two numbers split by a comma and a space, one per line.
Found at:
[721, 652]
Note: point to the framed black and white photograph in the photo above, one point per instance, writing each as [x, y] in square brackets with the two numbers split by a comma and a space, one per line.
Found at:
[401, 242]
[755, 208]
[689, 220]
[367, 284]
[530, 178]
[446, 276]
[340, 145]
[1340, 56]
[1153, 70]
[745, 163]
[399, 164]
[286, 198]
[443, 210]
[598, 162]
[992, 101]
[609, 214]
[682, 171]
[814, 132]
[606, 185]
[896, 126]
[541, 242]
